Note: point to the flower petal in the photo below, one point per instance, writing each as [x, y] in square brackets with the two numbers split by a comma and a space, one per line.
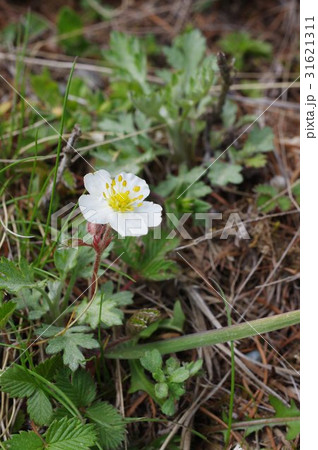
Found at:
[137, 223]
[137, 186]
[153, 211]
[95, 209]
[95, 182]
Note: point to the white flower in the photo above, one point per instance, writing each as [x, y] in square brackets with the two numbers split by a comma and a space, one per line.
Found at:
[120, 202]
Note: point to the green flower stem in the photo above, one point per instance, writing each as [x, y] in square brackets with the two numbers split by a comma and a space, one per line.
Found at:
[195, 340]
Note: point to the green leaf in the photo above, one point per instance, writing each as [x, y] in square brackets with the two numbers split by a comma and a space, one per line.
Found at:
[104, 307]
[70, 343]
[222, 173]
[128, 57]
[13, 277]
[48, 368]
[109, 423]
[46, 89]
[177, 320]
[259, 140]
[161, 390]
[186, 52]
[68, 434]
[40, 408]
[256, 161]
[149, 260]
[26, 440]
[65, 260]
[168, 408]
[179, 375]
[284, 203]
[79, 386]
[285, 411]
[18, 382]
[151, 361]
[229, 113]
[6, 311]
[32, 300]
[194, 367]
[68, 23]
[240, 44]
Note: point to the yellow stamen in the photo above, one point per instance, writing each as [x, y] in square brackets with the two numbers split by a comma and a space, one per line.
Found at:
[136, 189]
[107, 186]
[139, 204]
[120, 178]
[140, 197]
[113, 182]
[124, 183]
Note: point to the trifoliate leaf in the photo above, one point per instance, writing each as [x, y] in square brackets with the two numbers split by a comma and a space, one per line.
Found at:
[26, 440]
[109, 423]
[152, 360]
[70, 343]
[68, 434]
[222, 173]
[79, 386]
[6, 311]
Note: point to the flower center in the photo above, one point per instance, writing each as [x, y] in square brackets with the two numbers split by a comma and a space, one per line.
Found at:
[120, 200]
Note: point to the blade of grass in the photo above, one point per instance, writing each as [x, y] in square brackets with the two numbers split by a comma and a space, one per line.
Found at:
[58, 152]
[205, 338]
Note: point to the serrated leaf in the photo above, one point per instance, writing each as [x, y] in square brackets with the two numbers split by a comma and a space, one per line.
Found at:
[285, 411]
[18, 382]
[152, 360]
[13, 277]
[68, 434]
[149, 260]
[26, 440]
[127, 56]
[48, 368]
[109, 423]
[70, 343]
[186, 52]
[79, 386]
[65, 260]
[222, 173]
[6, 311]
[40, 408]
[259, 140]
[104, 307]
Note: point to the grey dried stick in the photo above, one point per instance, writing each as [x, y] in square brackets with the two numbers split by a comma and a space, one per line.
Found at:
[68, 153]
